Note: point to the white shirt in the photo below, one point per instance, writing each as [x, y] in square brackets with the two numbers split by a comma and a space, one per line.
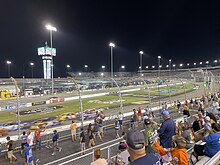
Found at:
[125, 155]
[31, 139]
[120, 117]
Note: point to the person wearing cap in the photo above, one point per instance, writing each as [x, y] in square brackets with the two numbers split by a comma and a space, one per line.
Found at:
[167, 130]
[212, 146]
[55, 139]
[99, 160]
[136, 148]
[124, 154]
[178, 151]
[29, 160]
[150, 133]
[207, 125]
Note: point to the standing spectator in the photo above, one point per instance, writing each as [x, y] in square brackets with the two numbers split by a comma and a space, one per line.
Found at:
[99, 160]
[178, 105]
[136, 148]
[132, 122]
[30, 138]
[100, 122]
[10, 148]
[96, 131]
[139, 114]
[207, 126]
[120, 120]
[38, 138]
[191, 103]
[215, 107]
[82, 141]
[23, 141]
[167, 130]
[117, 127]
[212, 146]
[150, 133]
[73, 130]
[186, 103]
[55, 139]
[90, 134]
[186, 111]
[201, 109]
[29, 160]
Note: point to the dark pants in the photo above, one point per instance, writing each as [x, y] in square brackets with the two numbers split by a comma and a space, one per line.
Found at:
[199, 150]
[38, 144]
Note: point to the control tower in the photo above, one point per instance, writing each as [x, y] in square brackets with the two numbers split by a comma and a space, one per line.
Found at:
[47, 54]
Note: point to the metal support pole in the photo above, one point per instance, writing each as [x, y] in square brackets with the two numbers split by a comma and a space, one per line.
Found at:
[80, 100]
[149, 95]
[17, 106]
[51, 46]
[120, 97]
[140, 63]
[112, 70]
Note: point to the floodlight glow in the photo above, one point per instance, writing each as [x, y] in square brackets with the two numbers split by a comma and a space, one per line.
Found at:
[187, 64]
[167, 66]
[153, 66]
[52, 28]
[146, 67]
[103, 66]
[122, 67]
[215, 61]
[31, 63]
[141, 52]
[139, 67]
[174, 65]
[68, 66]
[80, 73]
[86, 66]
[181, 65]
[159, 57]
[112, 44]
[170, 60]
[207, 62]
[102, 74]
[200, 63]
[194, 63]
[160, 66]
[142, 75]
[8, 62]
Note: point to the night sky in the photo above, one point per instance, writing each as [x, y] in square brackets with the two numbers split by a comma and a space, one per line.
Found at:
[185, 31]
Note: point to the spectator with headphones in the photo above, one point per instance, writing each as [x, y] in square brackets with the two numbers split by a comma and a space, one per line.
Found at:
[178, 152]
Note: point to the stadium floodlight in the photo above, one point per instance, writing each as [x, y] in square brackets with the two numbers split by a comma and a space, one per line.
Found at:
[200, 63]
[141, 52]
[215, 61]
[153, 66]
[50, 27]
[187, 64]
[103, 66]
[167, 66]
[9, 63]
[181, 65]
[170, 60]
[102, 74]
[160, 66]
[111, 44]
[122, 67]
[147, 67]
[159, 57]
[68, 66]
[207, 62]
[174, 65]
[79, 73]
[194, 63]
[86, 66]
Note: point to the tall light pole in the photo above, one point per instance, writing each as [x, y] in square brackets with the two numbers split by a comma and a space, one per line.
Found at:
[112, 45]
[169, 67]
[68, 67]
[215, 61]
[32, 69]
[187, 65]
[86, 67]
[141, 60]
[51, 29]
[194, 64]
[159, 57]
[9, 64]
[103, 68]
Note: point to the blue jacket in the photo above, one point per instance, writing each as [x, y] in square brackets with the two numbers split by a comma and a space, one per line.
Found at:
[166, 131]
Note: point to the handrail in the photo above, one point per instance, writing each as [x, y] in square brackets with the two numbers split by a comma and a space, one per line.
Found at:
[215, 159]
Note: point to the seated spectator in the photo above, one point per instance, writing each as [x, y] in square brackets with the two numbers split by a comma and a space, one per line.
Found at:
[99, 160]
[207, 126]
[136, 148]
[212, 117]
[212, 145]
[179, 153]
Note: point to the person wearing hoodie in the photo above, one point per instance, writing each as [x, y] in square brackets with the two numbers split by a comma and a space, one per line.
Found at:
[178, 152]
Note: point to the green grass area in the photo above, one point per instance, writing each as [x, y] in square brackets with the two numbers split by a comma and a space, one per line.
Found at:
[71, 106]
